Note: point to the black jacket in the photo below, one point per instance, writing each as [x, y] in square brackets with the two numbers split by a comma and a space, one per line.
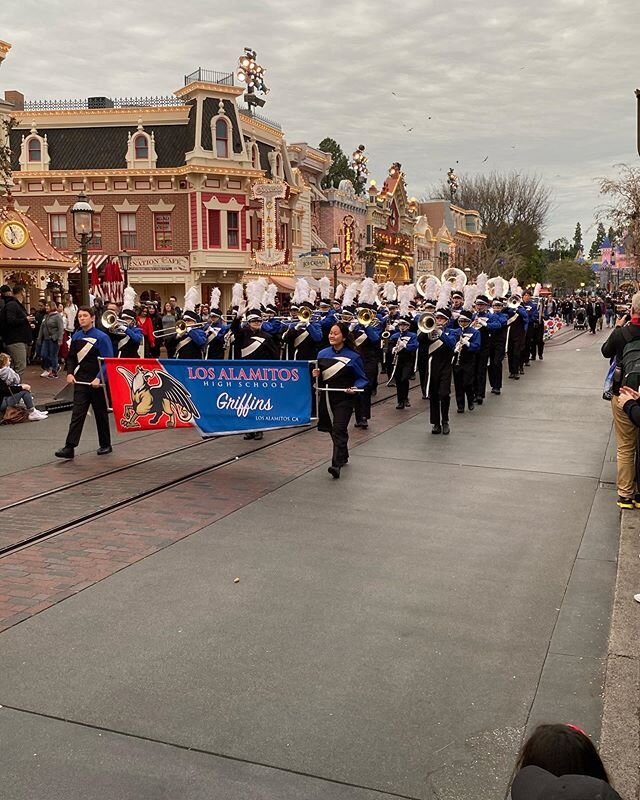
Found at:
[615, 344]
[15, 325]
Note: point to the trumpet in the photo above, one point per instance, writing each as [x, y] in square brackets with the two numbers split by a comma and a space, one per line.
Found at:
[513, 303]
[180, 329]
[427, 323]
[110, 321]
[306, 315]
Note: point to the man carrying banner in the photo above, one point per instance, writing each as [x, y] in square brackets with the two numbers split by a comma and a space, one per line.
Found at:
[87, 346]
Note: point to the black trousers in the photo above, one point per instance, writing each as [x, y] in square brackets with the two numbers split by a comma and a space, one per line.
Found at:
[496, 357]
[83, 398]
[514, 353]
[480, 373]
[592, 323]
[537, 342]
[362, 401]
[423, 369]
[463, 382]
[334, 416]
[439, 392]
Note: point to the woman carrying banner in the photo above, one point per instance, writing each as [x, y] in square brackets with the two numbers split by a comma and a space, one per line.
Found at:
[341, 374]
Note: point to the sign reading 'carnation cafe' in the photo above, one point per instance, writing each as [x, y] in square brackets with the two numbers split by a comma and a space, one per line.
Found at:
[217, 397]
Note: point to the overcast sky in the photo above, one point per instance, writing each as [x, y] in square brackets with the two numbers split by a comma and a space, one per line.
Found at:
[539, 86]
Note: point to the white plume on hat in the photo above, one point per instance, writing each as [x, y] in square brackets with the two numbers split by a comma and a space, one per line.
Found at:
[513, 285]
[536, 290]
[301, 292]
[501, 286]
[431, 287]
[237, 294]
[481, 283]
[404, 298]
[368, 291]
[390, 291]
[215, 298]
[324, 284]
[460, 282]
[191, 299]
[339, 292]
[350, 294]
[470, 294]
[255, 292]
[128, 298]
[269, 296]
[312, 296]
[444, 298]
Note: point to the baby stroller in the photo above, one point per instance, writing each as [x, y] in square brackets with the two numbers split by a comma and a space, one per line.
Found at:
[580, 320]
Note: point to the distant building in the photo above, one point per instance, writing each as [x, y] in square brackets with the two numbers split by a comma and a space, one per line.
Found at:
[454, 237]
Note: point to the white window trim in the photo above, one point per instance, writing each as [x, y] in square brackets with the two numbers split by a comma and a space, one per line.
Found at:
[45, 160]
[120, 231]
[141, 163]
[214, 143]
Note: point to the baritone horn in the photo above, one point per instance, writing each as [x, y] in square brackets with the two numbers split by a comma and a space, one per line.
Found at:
[426, 322]
[180, 329]
[110, 320]
[366, 317]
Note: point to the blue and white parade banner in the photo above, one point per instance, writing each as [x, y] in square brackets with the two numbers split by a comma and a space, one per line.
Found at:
[217, 397]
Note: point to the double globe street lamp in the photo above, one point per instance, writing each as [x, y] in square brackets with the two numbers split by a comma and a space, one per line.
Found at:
[83, 232]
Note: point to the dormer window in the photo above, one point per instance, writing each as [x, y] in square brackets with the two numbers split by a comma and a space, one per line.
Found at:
[279, 171]
[222, 138]
[34, 148]
[255, 156]
[141, 145]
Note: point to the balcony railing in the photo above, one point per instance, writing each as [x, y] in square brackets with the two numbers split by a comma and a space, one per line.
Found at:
[256, 115]
[101, 102]
[209, 76]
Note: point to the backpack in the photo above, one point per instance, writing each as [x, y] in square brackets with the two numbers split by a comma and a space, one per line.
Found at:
[631, 364]
[14, 415]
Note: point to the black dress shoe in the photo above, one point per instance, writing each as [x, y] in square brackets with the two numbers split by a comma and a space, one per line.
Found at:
[460, 410]
[364, 425]
[495, 391]
[407, 404]
[334, 471]
[424, 396]
[249, 436]
[471, 406]
[103, 451]
[511, 377]
[64, 452]
[400, 405]
[541, 358]
[436, 429]
[258, 436]
[446, 430]
[522, 370]
[516, 377]
[479, 401]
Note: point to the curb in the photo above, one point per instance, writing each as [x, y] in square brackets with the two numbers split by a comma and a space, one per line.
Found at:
[620, 736]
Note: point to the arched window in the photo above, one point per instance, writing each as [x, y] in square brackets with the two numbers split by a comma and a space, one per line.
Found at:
[222, 138]
[279, 166]
[141, 145]
[255, 157]
[35, 149]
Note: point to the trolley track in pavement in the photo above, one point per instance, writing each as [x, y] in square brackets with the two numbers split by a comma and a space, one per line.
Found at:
[35, 507]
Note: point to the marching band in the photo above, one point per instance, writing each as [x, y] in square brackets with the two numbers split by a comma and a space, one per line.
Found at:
[444, 331]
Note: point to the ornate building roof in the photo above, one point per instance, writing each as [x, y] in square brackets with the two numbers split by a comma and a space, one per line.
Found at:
[37, 250]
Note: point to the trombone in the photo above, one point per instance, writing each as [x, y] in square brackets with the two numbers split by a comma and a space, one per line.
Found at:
[180, 329]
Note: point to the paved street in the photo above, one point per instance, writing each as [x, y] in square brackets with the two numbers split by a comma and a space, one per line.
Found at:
[391, 634]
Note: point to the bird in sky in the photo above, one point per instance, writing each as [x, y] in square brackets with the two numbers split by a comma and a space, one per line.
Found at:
[485, 159]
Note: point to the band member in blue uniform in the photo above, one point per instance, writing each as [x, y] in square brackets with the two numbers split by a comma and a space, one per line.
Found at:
[367, 341]
[464, 362]
[457, 304]
[403, 345]
[327, 318]
[537, 338]
[215, 342]
[423, 348]
[84, 371]
[251, 343]
[529, 305]
[302, 339]
[443, 342]
[518, 322]
[391, 324]
[485, 323]
[497, 344]
[128, 341]
[339, 367]
[190, 343]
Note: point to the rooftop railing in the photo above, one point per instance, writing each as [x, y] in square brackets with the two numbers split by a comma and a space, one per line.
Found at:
[209, 76]
[101, 102]
[257, 115]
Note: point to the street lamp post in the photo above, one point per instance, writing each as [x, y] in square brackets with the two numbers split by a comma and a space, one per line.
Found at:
[125, 259]
[83, 232]
[335, 255]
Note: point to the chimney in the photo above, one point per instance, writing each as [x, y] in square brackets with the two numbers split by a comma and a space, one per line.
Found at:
[16, 99]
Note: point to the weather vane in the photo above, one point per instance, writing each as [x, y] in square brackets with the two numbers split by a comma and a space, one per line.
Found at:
[359, 166]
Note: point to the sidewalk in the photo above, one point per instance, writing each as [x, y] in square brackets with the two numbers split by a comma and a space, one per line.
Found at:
[620, 740]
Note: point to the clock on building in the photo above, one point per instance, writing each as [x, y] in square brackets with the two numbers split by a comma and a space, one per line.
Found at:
[14, 234]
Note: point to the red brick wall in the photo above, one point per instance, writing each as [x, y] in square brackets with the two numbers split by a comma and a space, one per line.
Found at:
[109, 220]
[225, 197]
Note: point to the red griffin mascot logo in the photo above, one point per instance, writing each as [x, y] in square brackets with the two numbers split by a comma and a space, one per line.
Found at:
[156, 393]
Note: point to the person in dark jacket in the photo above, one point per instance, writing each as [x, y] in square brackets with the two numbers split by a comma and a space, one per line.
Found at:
[50, 336]
[17, 327]
[626, 331]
